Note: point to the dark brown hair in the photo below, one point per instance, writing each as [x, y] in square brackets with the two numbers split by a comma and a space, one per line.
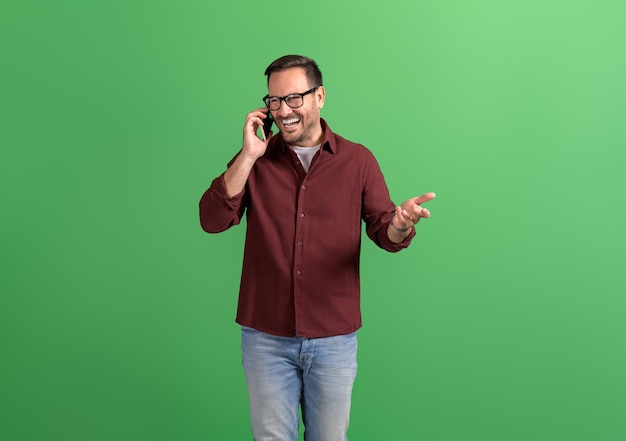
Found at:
[313, 73]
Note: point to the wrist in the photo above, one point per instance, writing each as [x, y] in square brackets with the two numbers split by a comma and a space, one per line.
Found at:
[399, 230]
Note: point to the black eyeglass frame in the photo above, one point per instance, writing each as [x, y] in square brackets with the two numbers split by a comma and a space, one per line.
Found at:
[291, 95]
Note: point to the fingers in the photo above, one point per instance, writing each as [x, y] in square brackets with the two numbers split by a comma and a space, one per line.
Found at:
[257, 115]
[415, 213]
[413, 209]
[425, 198]
[404, 219]
[400, 220]
[254, 145]
[401, 215]
[419, 213]
[407, 219]
[257, 124]
[254, 120]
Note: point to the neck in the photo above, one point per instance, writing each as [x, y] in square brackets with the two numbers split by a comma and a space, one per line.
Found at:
[317, 139]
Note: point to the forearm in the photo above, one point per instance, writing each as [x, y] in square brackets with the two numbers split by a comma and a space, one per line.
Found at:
[236, 176]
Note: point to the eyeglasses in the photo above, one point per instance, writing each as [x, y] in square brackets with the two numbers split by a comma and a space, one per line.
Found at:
[294, 100]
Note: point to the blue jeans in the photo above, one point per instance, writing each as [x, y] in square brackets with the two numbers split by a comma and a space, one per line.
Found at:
[284, 373]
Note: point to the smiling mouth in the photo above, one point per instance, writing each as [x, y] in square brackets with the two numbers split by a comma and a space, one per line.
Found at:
[290, 123]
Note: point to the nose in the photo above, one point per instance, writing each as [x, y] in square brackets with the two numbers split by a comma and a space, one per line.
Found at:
[284, 109]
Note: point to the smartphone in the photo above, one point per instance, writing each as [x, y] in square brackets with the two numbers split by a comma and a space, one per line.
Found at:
[267, 124]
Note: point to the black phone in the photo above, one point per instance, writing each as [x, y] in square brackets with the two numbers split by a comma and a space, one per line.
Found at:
[267, 124]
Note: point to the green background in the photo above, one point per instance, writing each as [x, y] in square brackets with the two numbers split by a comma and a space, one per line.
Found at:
[504, 320]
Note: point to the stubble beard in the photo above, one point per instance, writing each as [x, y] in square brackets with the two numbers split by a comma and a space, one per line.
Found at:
[308, 127]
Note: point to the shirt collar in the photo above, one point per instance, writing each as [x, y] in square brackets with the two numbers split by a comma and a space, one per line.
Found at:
[328, 142]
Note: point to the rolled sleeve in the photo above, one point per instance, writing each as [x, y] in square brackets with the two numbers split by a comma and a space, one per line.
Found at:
[218, 210]
[387, 244]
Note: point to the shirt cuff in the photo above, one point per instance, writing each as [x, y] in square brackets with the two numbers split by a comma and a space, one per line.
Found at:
[219, 194]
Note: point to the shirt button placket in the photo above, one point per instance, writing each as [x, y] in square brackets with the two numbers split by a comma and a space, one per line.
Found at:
[299, 252]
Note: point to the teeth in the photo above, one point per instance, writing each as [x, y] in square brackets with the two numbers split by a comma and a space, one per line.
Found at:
[290, 121]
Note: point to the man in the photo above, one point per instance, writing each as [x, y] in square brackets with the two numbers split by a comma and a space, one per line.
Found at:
[305, 192]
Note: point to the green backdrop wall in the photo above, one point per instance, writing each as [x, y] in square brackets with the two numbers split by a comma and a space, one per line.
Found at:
[503, 322]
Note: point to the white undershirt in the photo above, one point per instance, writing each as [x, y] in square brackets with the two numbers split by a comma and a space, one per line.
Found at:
[305, 154]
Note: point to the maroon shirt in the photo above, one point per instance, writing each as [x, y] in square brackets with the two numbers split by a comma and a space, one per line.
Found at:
[300, 271]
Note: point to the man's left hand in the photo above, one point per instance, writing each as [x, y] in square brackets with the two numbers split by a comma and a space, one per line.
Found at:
[411, 211]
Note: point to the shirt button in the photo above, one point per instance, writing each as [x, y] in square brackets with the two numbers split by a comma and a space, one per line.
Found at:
[298, 273]
[299, 244]
[303, 187]
[301, 214]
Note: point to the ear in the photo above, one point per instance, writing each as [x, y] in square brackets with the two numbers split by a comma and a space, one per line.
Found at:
[320, 96]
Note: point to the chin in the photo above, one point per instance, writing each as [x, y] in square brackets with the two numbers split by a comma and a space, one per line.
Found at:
[292, 137]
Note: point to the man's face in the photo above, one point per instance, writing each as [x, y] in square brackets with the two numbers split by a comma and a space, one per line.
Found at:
[300, 126]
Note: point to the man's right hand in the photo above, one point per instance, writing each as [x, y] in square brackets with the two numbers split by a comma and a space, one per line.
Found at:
[253, 146]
